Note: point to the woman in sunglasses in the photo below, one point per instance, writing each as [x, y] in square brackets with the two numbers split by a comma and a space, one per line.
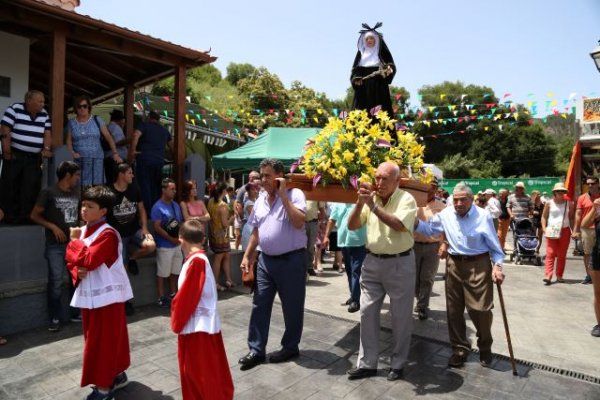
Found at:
[83, 140]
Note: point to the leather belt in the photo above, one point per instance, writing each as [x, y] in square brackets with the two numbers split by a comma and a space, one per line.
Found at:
[461, 257]
[284, 255]
[313, 220]
[427, 242]
[403, 254]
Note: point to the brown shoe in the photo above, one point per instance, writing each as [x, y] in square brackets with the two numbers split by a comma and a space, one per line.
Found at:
[457, 360]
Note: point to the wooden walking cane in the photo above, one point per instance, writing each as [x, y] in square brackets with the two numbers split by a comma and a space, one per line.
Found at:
[510, 349]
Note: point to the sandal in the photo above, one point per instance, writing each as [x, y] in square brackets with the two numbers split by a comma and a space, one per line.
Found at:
[3, 341]
[221, 288]
[229, 284]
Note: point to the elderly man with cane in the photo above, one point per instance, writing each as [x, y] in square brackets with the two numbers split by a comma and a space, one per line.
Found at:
[471, 242]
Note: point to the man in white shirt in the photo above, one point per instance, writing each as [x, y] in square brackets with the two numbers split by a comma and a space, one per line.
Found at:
[493, 205]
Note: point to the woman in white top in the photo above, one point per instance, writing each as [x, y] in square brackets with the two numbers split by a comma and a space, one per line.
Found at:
[557, 220]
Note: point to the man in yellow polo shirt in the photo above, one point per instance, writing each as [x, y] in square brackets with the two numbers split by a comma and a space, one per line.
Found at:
[389, 268]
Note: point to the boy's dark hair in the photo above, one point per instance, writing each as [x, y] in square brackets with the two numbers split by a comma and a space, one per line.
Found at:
[192, 231]
[123, 167]
[66, 167]
[165, 183]
[100, 195]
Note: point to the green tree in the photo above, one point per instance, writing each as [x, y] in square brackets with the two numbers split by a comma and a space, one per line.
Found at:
[456, 166]
[264, 94]
[206, 74]
[306, 107]
[237, 72]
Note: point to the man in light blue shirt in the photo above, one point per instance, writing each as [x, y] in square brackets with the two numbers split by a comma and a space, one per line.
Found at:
[471, 242]
[353, 248]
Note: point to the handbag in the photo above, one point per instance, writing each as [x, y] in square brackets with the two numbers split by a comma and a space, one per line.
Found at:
[103, 142]
[172, 225]
[553, 231]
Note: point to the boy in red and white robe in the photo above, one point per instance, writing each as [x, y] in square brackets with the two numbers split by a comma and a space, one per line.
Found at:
[94, 258]
[203, 365]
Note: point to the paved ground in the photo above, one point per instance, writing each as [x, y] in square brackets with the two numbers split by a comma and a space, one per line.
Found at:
[549, 326]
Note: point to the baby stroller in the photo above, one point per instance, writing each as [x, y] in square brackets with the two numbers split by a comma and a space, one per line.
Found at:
[525, 242]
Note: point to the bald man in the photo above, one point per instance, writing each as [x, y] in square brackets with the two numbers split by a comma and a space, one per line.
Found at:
[389, 268]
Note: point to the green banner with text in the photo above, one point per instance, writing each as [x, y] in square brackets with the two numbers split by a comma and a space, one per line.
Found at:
[543, 184]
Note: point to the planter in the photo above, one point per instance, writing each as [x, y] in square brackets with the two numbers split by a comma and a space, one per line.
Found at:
[335, 192]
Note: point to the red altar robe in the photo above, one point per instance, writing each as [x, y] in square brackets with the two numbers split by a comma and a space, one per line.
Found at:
[203, 367]
[106, 342]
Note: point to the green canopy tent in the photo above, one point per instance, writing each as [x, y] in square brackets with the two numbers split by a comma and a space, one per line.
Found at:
[285, 144]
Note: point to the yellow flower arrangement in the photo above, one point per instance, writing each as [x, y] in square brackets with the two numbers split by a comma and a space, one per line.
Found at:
[349, 150]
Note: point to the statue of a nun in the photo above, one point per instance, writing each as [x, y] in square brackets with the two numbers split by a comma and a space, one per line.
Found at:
[373, 70]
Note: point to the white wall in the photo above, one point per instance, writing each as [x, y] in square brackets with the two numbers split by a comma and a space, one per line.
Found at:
[14, 64]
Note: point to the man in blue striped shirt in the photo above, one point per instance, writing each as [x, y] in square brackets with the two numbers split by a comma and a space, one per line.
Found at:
[26, 137]
[474, 263]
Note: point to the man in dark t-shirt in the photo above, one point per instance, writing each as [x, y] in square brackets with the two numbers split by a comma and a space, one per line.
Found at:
[129, 218]
[149, 141]
[57, 210]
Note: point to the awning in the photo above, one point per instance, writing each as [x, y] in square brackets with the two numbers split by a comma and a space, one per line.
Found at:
[285, 144]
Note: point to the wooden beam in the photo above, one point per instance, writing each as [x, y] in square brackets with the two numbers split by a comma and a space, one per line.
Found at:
[128, 110]
[92, 68]
[179, 126]
[57, 85]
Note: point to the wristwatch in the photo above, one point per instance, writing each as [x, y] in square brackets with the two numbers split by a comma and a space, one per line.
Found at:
[499, 266]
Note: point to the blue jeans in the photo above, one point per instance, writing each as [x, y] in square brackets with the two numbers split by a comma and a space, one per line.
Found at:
[353, 261]
[286, 276]
[57, 270]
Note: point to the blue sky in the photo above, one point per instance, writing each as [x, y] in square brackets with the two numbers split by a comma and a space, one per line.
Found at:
[527, 48]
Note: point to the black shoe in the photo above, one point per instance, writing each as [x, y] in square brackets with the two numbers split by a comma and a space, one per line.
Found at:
[54, 325]
[596, 331]
[132, 266]
[129, 310]
[360, 373]
[250, 360]
[335, 267]
[283, 355]
[312, 272]
[587, 280]
[163, 302]
[485, 358]
[457, 360]
[76, 318]
[120, 382]
[347, 303]
[547, 281]
[422, 314]
[395, 374]
[353, 307]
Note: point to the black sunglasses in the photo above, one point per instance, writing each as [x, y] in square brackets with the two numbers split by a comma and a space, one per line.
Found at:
[82, 106]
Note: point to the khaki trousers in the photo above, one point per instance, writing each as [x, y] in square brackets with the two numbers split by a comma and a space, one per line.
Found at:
[469, 284]
[396, 278]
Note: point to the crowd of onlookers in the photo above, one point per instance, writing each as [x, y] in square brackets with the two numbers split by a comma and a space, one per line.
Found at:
[147, 216]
